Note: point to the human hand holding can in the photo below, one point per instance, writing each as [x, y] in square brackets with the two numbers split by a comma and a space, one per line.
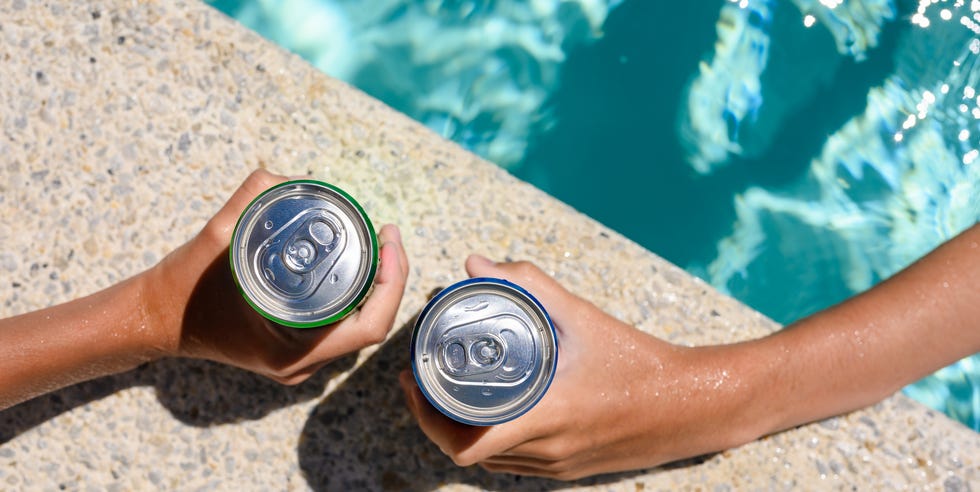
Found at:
[201, 311]
[304, 254]
[484, 351]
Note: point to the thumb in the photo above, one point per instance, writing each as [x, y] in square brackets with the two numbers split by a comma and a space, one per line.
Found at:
[562, 305]
[225, 219]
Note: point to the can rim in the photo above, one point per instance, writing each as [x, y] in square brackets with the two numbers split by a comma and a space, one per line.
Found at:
[375, 258]
[433, 302]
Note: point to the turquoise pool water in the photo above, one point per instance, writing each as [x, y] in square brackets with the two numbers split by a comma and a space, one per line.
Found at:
[790, 153]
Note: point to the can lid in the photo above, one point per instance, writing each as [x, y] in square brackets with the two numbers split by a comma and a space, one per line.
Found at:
[304, 253]
[484, 351]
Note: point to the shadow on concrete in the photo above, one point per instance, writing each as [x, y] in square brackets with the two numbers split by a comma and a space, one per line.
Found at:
[29, 414]
[362, 437]
[196, 392]
[205, 393]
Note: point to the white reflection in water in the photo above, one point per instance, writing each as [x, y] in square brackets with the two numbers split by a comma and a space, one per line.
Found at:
[887, 187]
[476, 72]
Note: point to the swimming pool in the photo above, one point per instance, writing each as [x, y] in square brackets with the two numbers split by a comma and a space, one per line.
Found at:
[806, 148]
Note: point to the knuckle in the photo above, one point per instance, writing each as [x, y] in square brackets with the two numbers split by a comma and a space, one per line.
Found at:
[277, 378]
[213, 231]
[555, 451]
[566, 475]
[461, 459]
[291, 379]
[375, 334]
[282, 372]
[258, 180]
[216, 234]
[525, 269]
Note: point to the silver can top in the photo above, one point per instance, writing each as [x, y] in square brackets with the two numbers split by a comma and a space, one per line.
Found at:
[484, 351]
[304, 254]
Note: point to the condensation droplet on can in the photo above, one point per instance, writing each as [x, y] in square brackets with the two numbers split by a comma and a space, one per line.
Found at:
[334, 278]
[268, 224]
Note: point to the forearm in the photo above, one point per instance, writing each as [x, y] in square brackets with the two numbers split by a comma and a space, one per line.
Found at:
[100, 334]
[856, 353]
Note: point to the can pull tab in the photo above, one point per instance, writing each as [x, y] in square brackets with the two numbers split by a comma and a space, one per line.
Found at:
[496, 350]
[468, 356]
[301, 254]
[310, 244]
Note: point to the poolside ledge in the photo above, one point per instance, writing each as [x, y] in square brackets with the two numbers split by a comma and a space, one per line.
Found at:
[125, 126]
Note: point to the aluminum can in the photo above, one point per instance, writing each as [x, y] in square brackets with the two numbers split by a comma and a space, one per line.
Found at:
[304, 254]
[484, 351]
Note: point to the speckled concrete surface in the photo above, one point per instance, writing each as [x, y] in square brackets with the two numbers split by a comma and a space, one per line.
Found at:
[125, 126]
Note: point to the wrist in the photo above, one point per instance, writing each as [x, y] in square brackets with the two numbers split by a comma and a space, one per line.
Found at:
[739, 391]
[760, 403]
[103, 333]
[160, 311]
[780, 392]
[714, 396]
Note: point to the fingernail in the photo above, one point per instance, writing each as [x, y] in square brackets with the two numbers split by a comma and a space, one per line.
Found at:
[390, 233]
[395, 232]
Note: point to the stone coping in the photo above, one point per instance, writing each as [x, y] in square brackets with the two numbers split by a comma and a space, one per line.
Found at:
[127, 124]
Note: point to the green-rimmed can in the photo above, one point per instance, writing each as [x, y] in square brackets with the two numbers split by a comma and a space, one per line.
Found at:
[304, 254]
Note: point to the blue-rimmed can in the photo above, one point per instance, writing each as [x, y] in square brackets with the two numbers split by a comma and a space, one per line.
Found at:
[304, 254]
[484, 351]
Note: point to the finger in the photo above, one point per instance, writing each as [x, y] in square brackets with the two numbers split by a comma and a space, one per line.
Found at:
[544, 451]
[498, 439]
[515, 469]
[563, 306]
[372, 322]
[450, 436]
[527, 461]
[300, 376]
[377, 315]
[391, 232]
[465, 444]
[257, 182]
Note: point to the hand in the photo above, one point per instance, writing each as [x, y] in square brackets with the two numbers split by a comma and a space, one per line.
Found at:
[620, 400]
[194, 307]
[187, 305]
[625, 400]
